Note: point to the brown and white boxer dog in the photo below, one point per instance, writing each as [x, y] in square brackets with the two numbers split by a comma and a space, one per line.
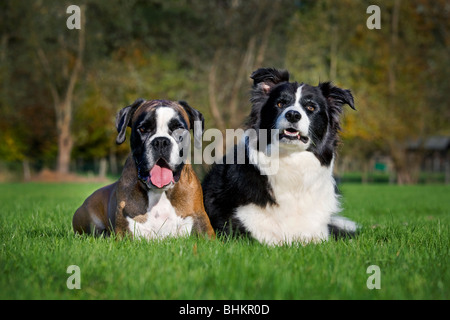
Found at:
[158, 194]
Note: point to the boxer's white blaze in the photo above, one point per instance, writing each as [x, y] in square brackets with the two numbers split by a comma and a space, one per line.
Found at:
[163, 117]
[161, 220]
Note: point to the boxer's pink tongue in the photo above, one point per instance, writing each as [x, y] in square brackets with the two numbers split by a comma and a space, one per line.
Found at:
[161, 176]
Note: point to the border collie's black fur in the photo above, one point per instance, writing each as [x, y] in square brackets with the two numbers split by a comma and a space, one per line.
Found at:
[298, 202]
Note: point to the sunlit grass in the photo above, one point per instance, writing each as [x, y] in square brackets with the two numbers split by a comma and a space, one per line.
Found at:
[404, 230]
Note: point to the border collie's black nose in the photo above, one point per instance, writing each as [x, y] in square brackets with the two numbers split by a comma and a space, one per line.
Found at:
[293, 116]
[161, 144]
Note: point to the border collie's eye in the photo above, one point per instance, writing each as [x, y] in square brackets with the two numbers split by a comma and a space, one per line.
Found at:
[280, 104]
[141, 130]
[311, 108]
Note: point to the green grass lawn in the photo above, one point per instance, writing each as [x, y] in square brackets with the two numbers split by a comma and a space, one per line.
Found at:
[405, 231]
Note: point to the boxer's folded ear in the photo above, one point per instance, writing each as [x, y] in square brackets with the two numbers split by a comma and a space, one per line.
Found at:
[197, 123]
[123, 119]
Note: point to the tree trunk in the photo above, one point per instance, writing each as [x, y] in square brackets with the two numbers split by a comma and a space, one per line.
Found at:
[365, 172]
[65, 140]
[247, 61]
[103, 168]
[113, 163]
[397, 152]
[404, 176]
[62, 99]
[406, 165]
[334, 32]
[447, 170]
[65, 144]
[392, 79]
[26, 170]
[213, 105]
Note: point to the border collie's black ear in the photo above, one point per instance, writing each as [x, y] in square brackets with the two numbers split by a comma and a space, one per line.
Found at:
[337, 96]
[266, 78]
[197, 123]
[123, 119]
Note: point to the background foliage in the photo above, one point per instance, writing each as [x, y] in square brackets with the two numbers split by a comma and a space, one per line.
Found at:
[203, 52]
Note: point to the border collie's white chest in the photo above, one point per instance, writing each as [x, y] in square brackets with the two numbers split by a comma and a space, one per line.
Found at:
[160, 221]
[304, 192]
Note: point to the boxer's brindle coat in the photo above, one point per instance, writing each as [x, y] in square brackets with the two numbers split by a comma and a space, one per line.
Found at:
[157, 195]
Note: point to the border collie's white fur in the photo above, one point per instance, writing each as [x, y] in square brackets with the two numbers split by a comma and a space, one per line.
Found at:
[297, 202]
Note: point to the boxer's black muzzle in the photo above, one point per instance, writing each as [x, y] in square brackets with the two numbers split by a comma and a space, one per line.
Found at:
[161, 147]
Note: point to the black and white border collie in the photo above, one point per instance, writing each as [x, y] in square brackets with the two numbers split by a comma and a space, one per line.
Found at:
[297, 202]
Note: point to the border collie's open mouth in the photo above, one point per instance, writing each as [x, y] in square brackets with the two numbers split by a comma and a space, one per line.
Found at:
[161, 175]
[293, 134]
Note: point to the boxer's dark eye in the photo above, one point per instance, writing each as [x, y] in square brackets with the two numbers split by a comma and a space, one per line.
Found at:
[175, 125]
[142, 130]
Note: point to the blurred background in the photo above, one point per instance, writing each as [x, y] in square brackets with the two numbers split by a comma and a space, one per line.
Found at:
[60, 89]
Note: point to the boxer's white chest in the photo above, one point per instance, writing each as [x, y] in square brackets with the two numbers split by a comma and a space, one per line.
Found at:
[160, 221]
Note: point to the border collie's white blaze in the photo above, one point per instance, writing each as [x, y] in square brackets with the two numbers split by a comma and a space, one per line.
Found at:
[296, 203]
[294, 130]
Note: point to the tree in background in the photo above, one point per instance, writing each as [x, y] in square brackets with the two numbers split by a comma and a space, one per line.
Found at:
[391, 71]
[27, 124]
[62, 88]
[60, 52]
